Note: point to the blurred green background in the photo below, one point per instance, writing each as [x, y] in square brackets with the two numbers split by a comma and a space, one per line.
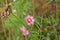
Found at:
[47, 21]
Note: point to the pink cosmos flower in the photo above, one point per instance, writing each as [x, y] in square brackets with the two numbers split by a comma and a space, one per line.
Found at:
[24, 30]
[29, 20]
[53, 7]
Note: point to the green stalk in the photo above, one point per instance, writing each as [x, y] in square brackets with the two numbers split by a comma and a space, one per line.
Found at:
[56, 13]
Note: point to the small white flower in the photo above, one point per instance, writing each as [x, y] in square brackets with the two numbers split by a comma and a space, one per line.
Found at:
[14, 0]
[14, 11]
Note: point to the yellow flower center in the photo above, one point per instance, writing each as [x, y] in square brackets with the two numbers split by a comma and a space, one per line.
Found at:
[29, 20]
[24, 30]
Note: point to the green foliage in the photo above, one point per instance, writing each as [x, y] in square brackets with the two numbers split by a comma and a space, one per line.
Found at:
[19, 10]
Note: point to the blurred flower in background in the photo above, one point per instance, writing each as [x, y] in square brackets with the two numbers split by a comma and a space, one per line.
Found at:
[29, 20]
[14, 0]
[14, 11]
[53, 7]
[24, 30]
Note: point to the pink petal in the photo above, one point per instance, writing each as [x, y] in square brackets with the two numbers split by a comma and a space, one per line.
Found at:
[22, 28]
[26, 33]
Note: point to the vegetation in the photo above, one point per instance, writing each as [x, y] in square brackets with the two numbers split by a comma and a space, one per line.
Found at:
[45, 13]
